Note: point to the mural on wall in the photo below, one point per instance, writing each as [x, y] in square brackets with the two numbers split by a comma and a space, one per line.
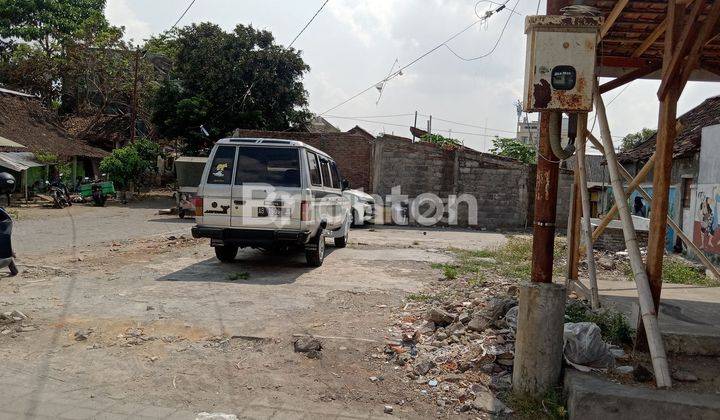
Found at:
[640, 207]
[706, 234]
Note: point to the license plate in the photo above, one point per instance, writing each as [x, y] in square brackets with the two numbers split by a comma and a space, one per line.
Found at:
[273, 212]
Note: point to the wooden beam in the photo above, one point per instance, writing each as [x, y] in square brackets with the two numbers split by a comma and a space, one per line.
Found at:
[629, 77]
[708, 30]
[629, 62]
[687, 39]
[659, 30]
[712, 68]
[612, 17]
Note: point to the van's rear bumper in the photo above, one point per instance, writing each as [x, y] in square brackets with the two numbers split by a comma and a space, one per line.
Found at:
[250, 237]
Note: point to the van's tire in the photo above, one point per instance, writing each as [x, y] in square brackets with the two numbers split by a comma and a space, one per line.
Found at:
[181, 213]
[342, 241]
[226, 253]
[316, 255]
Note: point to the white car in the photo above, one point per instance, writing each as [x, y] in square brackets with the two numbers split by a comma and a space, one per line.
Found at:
[362, 206]
[271, 194]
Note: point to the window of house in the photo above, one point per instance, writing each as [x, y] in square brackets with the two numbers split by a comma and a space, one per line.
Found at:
[686, 184]
[314, 169]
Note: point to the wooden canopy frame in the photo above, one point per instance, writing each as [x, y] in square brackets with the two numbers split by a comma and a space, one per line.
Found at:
[674, 41]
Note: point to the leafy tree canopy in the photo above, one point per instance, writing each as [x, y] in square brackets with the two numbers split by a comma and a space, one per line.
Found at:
[633, 139]
[513, 148]
[128, 164]
[223, 81]
[50, 23]
[440, 140]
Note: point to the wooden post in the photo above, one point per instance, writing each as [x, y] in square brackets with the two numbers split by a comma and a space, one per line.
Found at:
[573, 233]
[647, 309]
[585, 198]
[663, 167]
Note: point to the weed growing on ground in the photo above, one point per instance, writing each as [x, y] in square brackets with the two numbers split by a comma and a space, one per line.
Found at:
[550, 406]
[419, 297]
[514, 259]
[238, 276]
[613, 325]
[677, 271]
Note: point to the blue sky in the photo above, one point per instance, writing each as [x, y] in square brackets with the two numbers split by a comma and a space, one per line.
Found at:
[353, 44]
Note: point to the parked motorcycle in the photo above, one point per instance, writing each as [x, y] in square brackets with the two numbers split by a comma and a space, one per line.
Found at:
[59, 194]
[98, 196]
[7, 256]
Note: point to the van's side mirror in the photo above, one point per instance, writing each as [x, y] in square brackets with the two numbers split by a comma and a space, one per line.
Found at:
[345, 184]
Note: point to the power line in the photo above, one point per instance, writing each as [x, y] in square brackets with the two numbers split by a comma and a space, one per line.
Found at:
[489, 53]
[371, 116]
[308, 24]
[183, 14]
[408, 126]
[470, 125]
[432, 50]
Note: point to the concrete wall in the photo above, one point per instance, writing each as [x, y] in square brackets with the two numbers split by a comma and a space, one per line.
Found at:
[504, 188]
[704, 209]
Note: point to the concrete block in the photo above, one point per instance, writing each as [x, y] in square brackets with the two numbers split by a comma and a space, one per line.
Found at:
[591, 397]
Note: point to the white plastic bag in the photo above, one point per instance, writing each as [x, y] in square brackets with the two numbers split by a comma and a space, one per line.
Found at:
[584, 347]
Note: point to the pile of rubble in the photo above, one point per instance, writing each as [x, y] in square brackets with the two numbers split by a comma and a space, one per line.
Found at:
[12, 322]
[458, 347]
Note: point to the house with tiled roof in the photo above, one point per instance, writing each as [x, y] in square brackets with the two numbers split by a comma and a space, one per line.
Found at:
[695, 179]
[28, 130]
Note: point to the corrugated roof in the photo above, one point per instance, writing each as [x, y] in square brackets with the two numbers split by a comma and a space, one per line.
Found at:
[18, 161]
[690, 128]
[9, 143]
[26, 121]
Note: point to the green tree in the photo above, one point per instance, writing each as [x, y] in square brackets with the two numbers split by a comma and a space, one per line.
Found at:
[440, 140]
[128, 164]
[223, 81]
[513, 148]
[49, 23]
[634, 139]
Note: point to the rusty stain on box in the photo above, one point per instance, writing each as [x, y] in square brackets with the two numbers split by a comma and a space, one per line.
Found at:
[560, 62]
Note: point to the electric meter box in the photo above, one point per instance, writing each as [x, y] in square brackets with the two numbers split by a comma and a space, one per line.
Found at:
[560, 63]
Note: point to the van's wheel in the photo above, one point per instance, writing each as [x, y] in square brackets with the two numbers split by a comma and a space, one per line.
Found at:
[226, 253]
[181, 213]
[342, 241]
[316, 254]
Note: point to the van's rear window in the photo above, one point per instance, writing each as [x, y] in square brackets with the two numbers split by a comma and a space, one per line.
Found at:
[277, 166]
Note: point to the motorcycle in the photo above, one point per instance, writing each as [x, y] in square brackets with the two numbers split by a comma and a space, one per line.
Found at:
[98, 196]
[59, 193]
[7, 256]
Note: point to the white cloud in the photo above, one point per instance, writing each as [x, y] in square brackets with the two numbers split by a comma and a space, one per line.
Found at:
[119, 13]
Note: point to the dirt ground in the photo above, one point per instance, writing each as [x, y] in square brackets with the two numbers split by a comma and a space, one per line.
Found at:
[123, 304]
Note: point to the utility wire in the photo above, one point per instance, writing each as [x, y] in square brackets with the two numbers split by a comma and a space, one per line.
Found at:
[183, 14]
[432, 50]
[308, 24]
[489, 53]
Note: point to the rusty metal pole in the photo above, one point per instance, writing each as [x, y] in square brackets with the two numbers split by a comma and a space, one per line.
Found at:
[133, 111]
[546, 187]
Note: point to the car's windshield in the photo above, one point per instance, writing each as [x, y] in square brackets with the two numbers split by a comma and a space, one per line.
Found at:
[277, 166]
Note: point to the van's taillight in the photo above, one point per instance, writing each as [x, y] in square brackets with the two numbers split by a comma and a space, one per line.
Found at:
[198, 203]
[304, 211]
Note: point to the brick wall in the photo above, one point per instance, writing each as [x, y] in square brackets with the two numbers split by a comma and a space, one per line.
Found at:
[352, 152]
[613, 239]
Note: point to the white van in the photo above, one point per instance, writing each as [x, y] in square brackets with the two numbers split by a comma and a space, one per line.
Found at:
[271, 194]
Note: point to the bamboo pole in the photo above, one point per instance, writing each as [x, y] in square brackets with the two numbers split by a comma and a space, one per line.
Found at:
[585, 199]
[690, 244]
[647, 306]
